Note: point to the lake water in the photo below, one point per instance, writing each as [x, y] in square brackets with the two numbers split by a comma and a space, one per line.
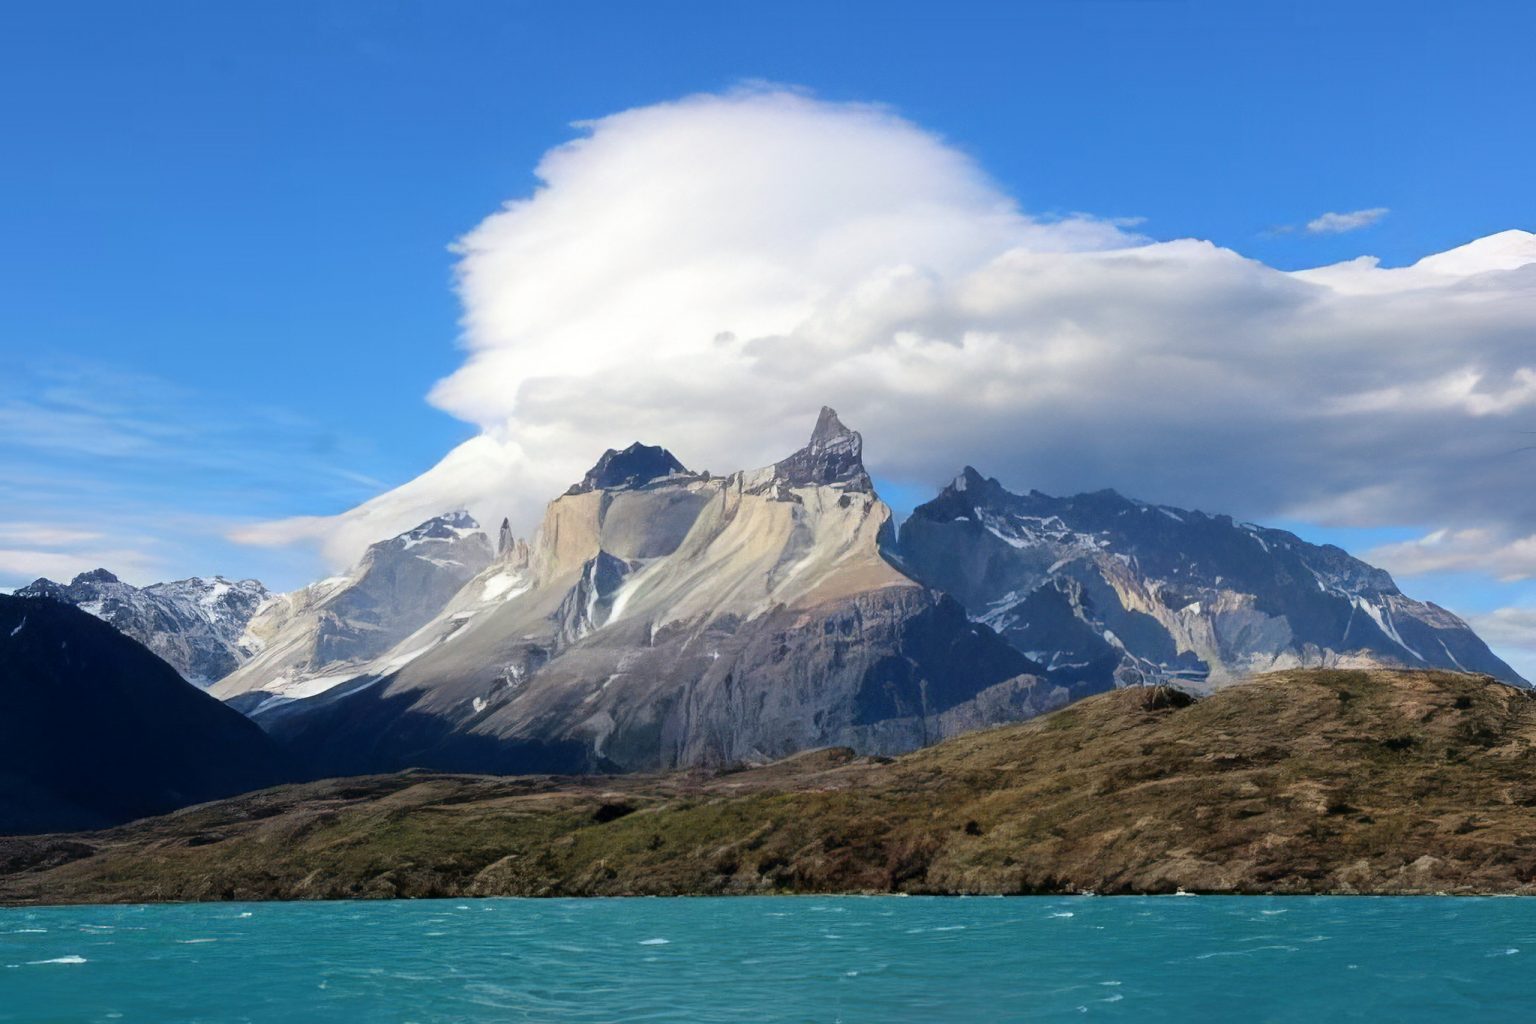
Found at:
[876, 959]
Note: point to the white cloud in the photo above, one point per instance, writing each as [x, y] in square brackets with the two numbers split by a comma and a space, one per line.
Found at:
[26, 564]
[1339, 223]
[1477, 549]
[705, 274]
[44, 534]
[475, 475]
[89, 451]
[1512, 633]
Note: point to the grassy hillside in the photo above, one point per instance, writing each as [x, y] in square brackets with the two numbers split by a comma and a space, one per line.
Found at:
[1309, 781]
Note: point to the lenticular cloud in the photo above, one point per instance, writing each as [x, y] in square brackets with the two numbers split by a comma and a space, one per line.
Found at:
[706, 274]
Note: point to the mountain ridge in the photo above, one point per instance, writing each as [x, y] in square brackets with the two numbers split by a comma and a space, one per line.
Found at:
[1170, 593]
[198, 624]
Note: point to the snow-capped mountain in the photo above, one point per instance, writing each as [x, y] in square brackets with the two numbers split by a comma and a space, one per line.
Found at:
[197, 625]
[1103, 589]
[663, 618]
[325, 632]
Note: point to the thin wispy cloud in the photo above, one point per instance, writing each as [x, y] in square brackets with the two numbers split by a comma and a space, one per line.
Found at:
[1340, 223]
[1501, 554]
[89, 453]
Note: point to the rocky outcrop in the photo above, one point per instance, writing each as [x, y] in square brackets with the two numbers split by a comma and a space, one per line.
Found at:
[834, 456]
[1104, 590]
[197, 625]
[634, 466]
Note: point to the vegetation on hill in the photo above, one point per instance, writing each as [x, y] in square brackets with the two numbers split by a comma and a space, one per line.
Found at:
[1296, 782]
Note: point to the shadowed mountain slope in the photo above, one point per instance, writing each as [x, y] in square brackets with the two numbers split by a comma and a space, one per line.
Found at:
[95, 729]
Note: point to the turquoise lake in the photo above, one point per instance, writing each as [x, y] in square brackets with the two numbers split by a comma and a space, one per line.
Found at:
[776, 959]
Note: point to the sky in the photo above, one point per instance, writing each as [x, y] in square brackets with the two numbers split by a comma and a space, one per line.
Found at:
[279, 277]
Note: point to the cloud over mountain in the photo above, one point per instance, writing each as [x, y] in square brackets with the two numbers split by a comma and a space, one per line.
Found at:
[707, 273]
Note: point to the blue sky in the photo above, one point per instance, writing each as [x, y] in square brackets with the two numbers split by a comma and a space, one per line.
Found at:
[226, 276]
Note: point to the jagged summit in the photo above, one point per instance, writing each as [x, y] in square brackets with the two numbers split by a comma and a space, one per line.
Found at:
[635, 466]
[969, 481]
[195, 624]
[448, 526]
[512, 550]
[834, 455]
[828, 427]
[1102, 584]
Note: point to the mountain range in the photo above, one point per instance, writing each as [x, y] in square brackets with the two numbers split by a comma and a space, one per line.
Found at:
[1114, 588]
[330, 630]
[664, 618]
[197, 625]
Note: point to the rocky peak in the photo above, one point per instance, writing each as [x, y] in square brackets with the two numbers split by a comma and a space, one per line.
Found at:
[635, 466]
[978, 489]
[449, 528]
[195, 624]
[512, 549]
[834, 455]
[42, 587]
[962, 496]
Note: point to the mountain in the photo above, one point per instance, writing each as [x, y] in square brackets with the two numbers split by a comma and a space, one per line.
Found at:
[1310, 781]
[197, 625]
[95, 729]
[1105, 590]
[320, 635]
[664, 618]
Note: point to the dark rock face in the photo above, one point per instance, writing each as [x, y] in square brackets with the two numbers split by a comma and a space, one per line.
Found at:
[197, 625]
[835, 455]
[634, 466]
[1105, 590]
[95, 730]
